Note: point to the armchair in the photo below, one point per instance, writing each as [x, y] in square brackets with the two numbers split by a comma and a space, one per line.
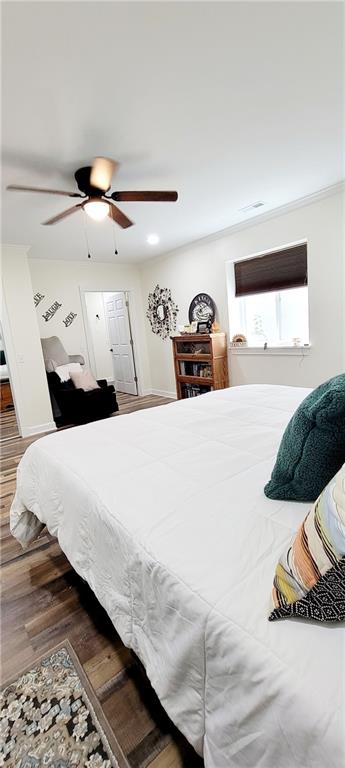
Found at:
[54, 354]
[71, 405]
[79, 407]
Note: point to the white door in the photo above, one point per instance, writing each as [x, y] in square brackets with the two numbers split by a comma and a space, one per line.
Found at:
[121, 344]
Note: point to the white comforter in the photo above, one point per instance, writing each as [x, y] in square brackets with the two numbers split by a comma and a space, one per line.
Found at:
[163, 513]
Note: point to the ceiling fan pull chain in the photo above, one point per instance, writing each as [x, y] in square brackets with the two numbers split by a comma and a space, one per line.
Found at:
[116, 253]
[86, 237]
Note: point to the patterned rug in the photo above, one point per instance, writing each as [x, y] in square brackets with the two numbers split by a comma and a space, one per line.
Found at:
[50, 717]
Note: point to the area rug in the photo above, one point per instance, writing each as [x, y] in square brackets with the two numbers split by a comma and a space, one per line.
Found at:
[50, 717]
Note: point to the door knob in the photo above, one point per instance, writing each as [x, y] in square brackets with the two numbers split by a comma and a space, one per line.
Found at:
[111, 350]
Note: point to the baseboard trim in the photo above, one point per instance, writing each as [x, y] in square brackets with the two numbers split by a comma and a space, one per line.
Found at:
[37, 429]
[163, 393]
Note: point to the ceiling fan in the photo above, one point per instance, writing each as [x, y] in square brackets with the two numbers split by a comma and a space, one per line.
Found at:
[94, 182]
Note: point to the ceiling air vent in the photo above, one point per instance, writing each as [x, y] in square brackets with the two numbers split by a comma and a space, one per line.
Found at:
[251, 207]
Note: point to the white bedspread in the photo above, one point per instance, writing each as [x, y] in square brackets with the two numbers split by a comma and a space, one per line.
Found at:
[163, 513]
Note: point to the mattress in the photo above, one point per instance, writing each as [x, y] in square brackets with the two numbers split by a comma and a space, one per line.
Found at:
[163, 513]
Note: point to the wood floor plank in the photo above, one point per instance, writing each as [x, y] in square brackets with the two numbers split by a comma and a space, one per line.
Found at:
[106, 664]
[169, 757]
[53, 615]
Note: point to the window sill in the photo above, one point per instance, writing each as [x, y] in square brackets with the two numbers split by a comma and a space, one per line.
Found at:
[272, 351]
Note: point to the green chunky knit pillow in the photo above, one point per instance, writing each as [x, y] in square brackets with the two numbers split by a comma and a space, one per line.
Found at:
[312, 448]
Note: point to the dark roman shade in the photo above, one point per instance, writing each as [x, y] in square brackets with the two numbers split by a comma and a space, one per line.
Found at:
[275, 271]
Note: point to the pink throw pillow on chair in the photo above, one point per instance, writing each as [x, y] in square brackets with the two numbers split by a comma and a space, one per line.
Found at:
[84, 380]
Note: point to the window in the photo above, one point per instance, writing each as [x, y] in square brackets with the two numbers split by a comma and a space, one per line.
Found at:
[277, 318]
[271, 298]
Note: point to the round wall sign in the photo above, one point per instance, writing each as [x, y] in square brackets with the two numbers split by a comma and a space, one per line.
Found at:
[202, 308]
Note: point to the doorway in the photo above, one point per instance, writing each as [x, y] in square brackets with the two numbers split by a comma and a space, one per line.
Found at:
[109, 339]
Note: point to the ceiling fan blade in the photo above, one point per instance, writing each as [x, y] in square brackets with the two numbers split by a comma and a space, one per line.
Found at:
[64, 214]
[20, 188]
[102, 172]
[148, 197]
[120, 218]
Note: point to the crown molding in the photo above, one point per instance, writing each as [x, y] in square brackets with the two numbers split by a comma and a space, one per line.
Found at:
[16, 247]
[251, 221]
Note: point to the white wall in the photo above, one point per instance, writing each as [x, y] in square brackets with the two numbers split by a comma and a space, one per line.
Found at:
[63, 281]
[202, 267]
[22, 344]
[99, 336]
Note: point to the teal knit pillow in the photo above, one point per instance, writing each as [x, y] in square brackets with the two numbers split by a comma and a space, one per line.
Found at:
[312, 448]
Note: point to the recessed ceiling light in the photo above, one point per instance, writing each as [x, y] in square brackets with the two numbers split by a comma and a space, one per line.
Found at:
[152, 239]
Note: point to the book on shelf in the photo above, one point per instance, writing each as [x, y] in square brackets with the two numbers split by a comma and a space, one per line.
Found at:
[202, 370]
[193, 390]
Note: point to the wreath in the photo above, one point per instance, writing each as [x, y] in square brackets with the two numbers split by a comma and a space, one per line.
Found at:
[162, 312]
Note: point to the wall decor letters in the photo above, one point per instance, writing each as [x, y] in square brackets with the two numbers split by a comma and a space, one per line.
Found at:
[162, 312]
[69, 319]
[51, 311]
[37, 298]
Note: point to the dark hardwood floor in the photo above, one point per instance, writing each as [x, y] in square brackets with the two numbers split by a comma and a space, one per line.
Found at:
[43, 601]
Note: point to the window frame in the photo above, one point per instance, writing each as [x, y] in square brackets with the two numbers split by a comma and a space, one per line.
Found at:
[265, 349]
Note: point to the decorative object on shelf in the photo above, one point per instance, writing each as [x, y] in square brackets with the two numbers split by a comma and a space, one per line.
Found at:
[51, 311]
[201, 363]
[69, 319]
[204, 327]
[202, 308]
[215, 328]
[189, 328]
[162, 312]
[239, 340]
[38, 297]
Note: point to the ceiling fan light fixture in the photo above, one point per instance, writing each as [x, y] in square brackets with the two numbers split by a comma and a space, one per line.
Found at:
[96, 209]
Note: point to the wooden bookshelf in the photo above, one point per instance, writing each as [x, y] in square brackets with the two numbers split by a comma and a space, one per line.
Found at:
[200, 362]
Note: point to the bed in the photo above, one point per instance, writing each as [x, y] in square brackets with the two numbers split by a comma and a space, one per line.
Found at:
[163, 513]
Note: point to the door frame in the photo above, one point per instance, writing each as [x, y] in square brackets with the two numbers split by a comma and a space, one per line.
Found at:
[129, 296]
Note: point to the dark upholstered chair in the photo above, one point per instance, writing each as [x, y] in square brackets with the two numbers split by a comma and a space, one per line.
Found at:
[71, 405]
[77, 406]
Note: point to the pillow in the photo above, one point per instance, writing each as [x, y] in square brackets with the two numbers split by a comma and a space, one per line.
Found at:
[84, 380]
[64, 371]
[310, 576]
[312, 448]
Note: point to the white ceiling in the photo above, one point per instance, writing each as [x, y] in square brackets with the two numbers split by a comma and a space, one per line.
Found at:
[228, 103]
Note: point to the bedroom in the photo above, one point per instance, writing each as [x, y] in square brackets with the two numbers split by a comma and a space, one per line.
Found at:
[238, 108]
